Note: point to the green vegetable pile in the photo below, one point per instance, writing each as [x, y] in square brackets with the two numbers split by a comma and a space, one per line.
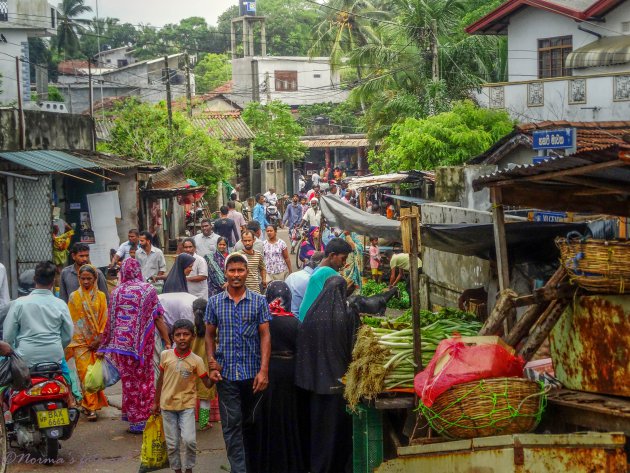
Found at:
[372, 288]
[426, 318]
[383, 358]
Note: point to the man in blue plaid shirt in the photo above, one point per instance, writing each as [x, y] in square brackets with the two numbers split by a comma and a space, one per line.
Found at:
[240, 364]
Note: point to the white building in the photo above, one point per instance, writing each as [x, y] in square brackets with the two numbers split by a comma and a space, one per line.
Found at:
[115, 58]
[143, 79]
[567, 59]
[20, 20]
[292, 80]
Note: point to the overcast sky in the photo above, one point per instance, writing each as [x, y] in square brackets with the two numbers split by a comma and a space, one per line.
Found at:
[160, 12]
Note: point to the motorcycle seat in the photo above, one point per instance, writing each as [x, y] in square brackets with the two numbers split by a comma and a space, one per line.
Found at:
[47, 369]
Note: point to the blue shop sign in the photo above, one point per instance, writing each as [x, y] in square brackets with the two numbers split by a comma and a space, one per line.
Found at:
[549, 217]
[554, 139]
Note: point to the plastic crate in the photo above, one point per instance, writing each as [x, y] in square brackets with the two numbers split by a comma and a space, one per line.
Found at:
[367, 439]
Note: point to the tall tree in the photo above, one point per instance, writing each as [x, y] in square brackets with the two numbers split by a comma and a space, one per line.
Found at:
[70, 25]
[212, 71]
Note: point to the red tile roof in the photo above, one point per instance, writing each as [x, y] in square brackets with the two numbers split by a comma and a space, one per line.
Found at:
[591, 136]
[71, 67]
[494, 22]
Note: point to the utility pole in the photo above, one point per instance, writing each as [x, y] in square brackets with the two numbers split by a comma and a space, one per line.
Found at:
[267, 88]
[435, 67]
[90, 90]
[188, 91]
[169, 105]
[20, 105]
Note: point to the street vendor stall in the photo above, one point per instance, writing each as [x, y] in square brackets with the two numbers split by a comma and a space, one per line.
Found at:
[590, 346]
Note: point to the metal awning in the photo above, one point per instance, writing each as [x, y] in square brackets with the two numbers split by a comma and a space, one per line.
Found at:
[411, 200]
[47, 161]
[357, 183]
[336, 141]
[606, 51]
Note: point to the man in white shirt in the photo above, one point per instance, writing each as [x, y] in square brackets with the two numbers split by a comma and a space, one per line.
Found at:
[315, 179]
[206, 241]
[198, 277]
[313, 216]
[271, 197]
[151, 259]
[123, 251]
[5, 298]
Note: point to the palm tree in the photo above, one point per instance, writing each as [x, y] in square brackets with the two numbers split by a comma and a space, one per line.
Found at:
[70, 25]
[348, 25]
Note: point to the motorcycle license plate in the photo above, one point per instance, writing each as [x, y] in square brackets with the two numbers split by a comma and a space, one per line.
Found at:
[56, 418]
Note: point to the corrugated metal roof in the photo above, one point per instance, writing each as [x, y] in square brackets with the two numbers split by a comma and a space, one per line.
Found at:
[223, 126]
[335, 141]
[47, 161]
[111, 161]
[394, 178]
[603, 52]
[171, 178]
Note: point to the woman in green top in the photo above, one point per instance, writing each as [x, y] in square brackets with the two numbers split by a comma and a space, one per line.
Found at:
[337, 251]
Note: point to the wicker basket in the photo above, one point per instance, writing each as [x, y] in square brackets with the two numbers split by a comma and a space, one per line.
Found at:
[597, 265]
[495, 406]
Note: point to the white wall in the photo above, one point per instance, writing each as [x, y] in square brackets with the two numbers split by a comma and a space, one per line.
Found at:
[600, 104]
[311, 89]
[8, 96]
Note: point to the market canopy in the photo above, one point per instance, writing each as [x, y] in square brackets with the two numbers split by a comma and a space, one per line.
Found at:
[406, 198]
[341, 214]
[526, 241]
[387, 179]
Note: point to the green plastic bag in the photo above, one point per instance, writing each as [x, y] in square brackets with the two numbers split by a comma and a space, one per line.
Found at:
[93, 381]
[153, 455]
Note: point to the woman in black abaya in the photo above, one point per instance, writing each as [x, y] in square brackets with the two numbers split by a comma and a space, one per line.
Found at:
[324, 351]
[280, 418]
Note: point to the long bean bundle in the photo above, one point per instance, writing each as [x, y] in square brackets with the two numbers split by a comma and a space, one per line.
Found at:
[384, 359]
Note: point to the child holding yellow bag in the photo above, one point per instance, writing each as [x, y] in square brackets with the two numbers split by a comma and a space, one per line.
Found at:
[176, 395]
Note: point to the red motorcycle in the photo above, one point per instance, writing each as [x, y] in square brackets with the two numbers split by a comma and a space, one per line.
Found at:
[37, 418]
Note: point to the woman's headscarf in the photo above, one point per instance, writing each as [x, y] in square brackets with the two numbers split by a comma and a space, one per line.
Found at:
[279, 299]
[309, 247]
[88, 298]
[176, 280]
[216, 271]
[353, 271]
[325, 340]
[134, 306]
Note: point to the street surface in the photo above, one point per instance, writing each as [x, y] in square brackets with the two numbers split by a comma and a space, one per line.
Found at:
[105, 447]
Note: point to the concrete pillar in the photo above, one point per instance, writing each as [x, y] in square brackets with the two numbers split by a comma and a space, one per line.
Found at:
[233, 40]
[263, 38]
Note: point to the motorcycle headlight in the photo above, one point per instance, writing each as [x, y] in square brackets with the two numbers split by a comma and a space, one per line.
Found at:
[47, 388]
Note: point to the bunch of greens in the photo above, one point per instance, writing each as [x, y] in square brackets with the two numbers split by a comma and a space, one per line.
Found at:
[372, 288]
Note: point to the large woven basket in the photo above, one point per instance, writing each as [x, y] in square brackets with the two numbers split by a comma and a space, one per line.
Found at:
[597, 265]
[495, 406]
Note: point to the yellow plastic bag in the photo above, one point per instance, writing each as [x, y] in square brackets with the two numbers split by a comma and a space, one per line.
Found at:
[153, 455]
[93, 381]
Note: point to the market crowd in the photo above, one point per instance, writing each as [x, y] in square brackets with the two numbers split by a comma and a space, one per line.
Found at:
[231, 332]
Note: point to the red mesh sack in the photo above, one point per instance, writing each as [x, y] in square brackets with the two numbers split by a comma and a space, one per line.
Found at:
[455, 362]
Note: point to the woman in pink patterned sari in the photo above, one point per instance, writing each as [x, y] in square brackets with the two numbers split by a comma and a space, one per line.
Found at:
[134, 313]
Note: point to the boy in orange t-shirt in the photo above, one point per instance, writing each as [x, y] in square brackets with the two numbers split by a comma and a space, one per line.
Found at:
[176, 395]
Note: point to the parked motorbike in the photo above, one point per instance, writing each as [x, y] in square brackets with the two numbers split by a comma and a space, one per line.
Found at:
[272, 214]
[37, 418]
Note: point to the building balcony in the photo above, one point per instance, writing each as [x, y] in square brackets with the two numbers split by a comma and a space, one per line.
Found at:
[599, 97]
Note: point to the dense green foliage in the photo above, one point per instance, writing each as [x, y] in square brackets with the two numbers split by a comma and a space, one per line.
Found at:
[344, 116]
[212, 71]
[372, 288]
[277, 133]
[142, 131]
[448, 138]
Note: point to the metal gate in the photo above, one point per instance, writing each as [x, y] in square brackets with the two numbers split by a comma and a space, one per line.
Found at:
[33, 222]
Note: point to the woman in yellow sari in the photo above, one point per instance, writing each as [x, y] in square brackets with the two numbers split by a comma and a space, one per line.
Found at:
[88, 308]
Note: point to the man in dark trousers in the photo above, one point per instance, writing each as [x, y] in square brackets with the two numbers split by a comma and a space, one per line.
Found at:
[239, 365]
[225, 227]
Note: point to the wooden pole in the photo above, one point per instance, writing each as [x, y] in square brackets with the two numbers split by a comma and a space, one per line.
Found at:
[188, 88]
[21, 124]
[169, 100]
[415, 290]
[500, 243]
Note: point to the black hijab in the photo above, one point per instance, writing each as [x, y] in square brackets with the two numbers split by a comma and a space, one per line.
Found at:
[278, 297]
[325, 340]
[176, 280]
